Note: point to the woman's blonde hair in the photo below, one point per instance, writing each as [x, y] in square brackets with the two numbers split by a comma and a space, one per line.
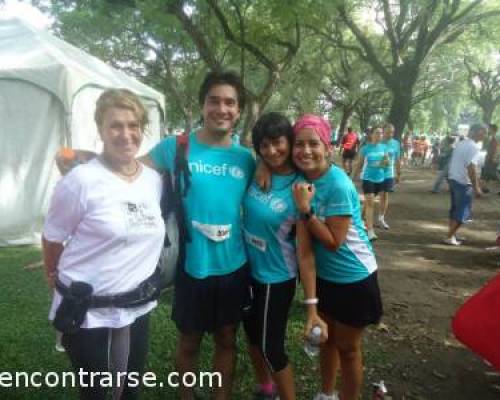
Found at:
[120, 98]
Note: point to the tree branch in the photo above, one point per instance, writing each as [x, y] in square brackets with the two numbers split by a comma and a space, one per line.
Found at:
[175, 7]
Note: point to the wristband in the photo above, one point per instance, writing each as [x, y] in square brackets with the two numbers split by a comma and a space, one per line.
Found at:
[310, 302]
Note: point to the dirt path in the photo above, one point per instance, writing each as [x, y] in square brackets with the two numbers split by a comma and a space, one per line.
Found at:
[423, 282]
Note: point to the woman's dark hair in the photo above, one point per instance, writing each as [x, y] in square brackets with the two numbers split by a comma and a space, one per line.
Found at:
[216, 78]
[271, 125]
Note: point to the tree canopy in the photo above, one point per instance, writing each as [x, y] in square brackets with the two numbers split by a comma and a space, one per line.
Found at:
[357, 61]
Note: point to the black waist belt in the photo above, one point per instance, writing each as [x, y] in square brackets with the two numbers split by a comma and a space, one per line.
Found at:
[146, 291]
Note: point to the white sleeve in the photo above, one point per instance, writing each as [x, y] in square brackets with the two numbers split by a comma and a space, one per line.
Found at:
[65, 212]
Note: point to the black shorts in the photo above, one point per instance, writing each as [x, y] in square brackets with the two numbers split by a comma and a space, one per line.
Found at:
[388, 185]
[349, 154]
[209, 304]
[370, 187]
[265, 324]
[356, 304]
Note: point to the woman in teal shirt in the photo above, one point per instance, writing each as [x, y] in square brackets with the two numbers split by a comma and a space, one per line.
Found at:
[373, 159]
[277, 246]
[347, 286]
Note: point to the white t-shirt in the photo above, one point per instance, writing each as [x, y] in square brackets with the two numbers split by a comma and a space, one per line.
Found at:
[113, 231]
[464, 154]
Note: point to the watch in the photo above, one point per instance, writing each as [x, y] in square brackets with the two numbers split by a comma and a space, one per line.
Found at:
[307, 216]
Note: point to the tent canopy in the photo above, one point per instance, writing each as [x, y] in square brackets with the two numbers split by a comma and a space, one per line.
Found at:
[48, 90]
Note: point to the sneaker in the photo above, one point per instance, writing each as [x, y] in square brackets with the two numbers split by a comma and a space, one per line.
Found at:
[383, 224]
[461, 239]
[452, 241]
[59, 348]
[322, 396]
[372, 236]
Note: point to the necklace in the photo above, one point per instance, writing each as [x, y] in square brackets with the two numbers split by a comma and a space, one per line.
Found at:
[108, 165]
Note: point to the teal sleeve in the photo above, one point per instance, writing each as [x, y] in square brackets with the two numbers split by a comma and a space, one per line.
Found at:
[163, 154]
[339, 200]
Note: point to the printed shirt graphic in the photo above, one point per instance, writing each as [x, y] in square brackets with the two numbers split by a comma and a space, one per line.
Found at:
[354, 260]
[268, 221]
[219, 179]
[113, 232]
[373, 169]
[394, 152]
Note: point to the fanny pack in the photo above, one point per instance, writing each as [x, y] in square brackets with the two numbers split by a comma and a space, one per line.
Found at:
[77, 299]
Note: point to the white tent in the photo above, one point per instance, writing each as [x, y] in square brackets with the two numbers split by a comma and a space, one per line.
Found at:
[48, 90]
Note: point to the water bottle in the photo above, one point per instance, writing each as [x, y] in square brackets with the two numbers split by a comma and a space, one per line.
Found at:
[311, 345]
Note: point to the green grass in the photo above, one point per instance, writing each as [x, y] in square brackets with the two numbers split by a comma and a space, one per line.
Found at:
[27, 338]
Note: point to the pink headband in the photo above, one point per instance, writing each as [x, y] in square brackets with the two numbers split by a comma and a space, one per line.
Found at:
[317, 124]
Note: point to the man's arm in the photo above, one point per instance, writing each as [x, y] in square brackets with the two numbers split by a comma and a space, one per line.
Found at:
[471, 170]
[148, 161]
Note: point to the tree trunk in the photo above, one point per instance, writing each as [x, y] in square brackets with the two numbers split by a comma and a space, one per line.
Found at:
[346, 115]
[400, 110]
[253, 113]
[488, 109]
[188, 121]
[364, 119]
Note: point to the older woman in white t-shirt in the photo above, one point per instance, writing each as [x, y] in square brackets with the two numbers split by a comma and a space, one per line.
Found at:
[104, 229]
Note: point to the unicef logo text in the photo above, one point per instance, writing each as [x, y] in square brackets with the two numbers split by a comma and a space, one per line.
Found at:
[216, 170]
[277, 205]
[236, 172]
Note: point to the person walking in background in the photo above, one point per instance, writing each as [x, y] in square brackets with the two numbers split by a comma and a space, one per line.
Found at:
[464, 182]
[443, 162]
[372, 161]
[490, 145]
[349, 148]
[392, 172]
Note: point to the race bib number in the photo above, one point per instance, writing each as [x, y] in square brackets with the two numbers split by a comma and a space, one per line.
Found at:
[255, 241]
[216, 233]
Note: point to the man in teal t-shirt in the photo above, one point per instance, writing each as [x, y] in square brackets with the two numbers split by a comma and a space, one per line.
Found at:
[392, 172]
[211, 290]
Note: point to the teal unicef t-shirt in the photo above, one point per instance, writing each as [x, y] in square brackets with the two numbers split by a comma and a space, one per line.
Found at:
[220, 177]
[354, 259]
[268, 220]
[373, 169]
[394, 152]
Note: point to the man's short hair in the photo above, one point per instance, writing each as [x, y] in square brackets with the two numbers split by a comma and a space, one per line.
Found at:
[476, 128]
[215, 78]
[493, 127]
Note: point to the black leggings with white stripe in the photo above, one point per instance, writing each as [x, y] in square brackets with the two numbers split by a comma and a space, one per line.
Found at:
[109, 350]
[265, 325]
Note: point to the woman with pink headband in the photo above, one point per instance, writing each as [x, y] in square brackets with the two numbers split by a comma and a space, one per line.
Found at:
[347, 288]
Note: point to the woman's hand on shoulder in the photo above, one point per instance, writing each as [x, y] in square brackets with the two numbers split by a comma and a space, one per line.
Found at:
[67, 158]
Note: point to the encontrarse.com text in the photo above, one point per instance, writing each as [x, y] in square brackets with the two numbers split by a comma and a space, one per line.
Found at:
[107, 379]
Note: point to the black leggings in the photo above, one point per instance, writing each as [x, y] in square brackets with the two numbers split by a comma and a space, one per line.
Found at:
[91, 350]
[266, 324]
